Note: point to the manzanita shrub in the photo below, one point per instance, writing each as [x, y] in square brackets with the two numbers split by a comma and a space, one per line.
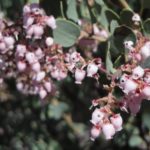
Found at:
[104, 45]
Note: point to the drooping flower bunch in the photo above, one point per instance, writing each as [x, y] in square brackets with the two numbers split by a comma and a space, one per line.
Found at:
[29, 54]
[133, 78]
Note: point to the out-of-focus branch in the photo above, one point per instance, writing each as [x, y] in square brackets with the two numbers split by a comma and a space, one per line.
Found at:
[124, 4]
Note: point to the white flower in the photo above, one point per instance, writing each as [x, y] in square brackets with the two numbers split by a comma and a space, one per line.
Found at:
[123, 80]
[79, 76]
[51, 22]
[129, 45]
[49, 41]
[9, 40]
[21, 66]
[21, 50]
[147, 78]
[137, 72]
[39, 53]
[30, 57]
[40, 76]
[26, 9]
[48, 86]
[108, 130]
[97, 116]
[38, 31]
[92, 69]
[146, 92]
[74, 57]
[42, 93]
[36, 67]
[29, 22]
[117, 121]
[2, 46]
[130, 86]
[29, 32]
[95, 132]
[145, 50]
[20, 86]
[136, 18]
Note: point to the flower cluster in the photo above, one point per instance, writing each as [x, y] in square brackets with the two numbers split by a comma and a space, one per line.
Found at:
[28, 59]
[35, 20]
[34, 62]
[133, 78]
[80, 68]
[105, 121]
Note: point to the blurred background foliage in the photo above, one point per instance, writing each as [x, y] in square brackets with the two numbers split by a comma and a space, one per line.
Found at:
[62, 121]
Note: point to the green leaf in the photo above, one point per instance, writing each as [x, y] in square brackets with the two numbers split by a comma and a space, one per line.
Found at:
[109, 64]
[113, 25]
[100, 2]
[105, 16]
[111, 15]
[126, 17]
[6, 3]
[83, 10]
[33, 1]
[54, 145]
[55, 111]
[71, 10]
[135, 141]
[146, 26]
[66, 33]
[146, 63]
